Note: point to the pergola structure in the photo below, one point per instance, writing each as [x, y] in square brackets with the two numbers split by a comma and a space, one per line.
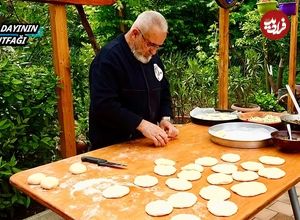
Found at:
[61, 61]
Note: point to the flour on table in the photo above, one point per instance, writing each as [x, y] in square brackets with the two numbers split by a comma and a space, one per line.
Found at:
[145, 181]
[158, 208]
[230, 157]
[271, 173]
[245, 176]
[226, 168]
[77, 168]
[36, 178]
[249, 188]
[185, 217]
[49, 182]
[190, 175]
[178, 184]
[206, 161]
[164, 161]
[116, 191]
[214, 193]
[252, 165]
[270, 160]
[193, 166]
[222, 208]
[164, 170]
[219, 179]
[182, 199]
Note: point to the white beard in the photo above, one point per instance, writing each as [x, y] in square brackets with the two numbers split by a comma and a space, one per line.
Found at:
[138, 56]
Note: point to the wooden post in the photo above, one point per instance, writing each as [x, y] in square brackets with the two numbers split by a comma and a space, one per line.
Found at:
[223, 57]
[293, 56]
[61, 61]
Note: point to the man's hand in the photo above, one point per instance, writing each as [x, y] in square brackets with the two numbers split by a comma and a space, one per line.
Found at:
[169, 128]
[154, 132]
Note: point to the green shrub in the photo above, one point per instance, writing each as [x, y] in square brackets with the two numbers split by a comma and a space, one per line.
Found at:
[267, 102]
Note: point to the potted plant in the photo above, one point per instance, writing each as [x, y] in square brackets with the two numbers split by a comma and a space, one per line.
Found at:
[263, 6]
[288, 7]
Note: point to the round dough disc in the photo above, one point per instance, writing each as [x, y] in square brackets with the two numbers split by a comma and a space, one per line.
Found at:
[222, 208]
[190, 175]
[36, 178]
[158, 208]
[219, 179]
[226, 168]
[116, 191]
[182, 199]
[185, 217]
[164, 170]
[49, 182]
[271, 173]
[271, 160]
[249, 188]
[252, 165]
[164, 161]
[145, 181]
[214, 193]
[245, 176]
[178, 184]
[206, 161]
[232, 158]
[77, 168]
[193, 166]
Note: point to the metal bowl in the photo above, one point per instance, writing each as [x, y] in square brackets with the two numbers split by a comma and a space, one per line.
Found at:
[281, 140]
[294, 120]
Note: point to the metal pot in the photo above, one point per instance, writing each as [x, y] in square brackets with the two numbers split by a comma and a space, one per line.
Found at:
[293, 120]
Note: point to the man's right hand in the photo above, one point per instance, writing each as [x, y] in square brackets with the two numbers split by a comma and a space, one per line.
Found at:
[154, 132]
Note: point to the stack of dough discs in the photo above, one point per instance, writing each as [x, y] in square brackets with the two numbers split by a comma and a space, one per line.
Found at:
[116, 191]
[182, 200]
[178, 184]
[145, 181]
[49, 182]
[164, 161]
[226, 168]
[190, 175]
[249, 188]
[77, 168]
[219, 179]
[232, 158]
[193, 166]
[245, 176]
[36, 178]
[206, 161]
[222, 208]
[185, 217]
[252, 165]
[158, 208]
[271, 173]
[214, 193]
[270, 160]
[164, 170]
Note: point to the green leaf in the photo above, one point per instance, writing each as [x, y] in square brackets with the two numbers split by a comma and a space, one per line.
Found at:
[16, 82]
[19, 97]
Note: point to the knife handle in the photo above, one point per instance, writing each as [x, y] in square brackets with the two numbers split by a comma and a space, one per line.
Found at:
[92, 159]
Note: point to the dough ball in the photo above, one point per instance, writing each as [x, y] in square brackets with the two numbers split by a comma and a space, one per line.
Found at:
[271, 173]
[116, 191]
[190, 175]
[245, 176]
[219, 179]
[178, 184]
[182, 199]
[49, 182]
[164, 170]
[214, 193]
[164, 161]
[185, 217]
[249, 188]
[158, 208]
[232, 158]
[252, 165]
[206, 161]
[145, 181]
[35, 179]
[77, 168]
[222, 208]
[193, 166]
[271, 160]
[226, 168]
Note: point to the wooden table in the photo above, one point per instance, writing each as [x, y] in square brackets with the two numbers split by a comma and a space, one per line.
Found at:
[79, 196]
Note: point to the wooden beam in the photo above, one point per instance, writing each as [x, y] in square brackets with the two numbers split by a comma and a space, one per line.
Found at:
[61, 61]
[293, 57]
[223, 57]
[76, 2]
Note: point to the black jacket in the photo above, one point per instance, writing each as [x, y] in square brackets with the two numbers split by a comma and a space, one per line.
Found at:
[124, 91]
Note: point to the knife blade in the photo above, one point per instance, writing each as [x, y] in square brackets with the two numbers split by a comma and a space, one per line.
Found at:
[102, 162]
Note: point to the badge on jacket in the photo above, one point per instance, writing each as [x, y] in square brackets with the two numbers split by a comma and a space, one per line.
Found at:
[158, 72]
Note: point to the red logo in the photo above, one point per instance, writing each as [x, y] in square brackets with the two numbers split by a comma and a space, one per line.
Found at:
[274, 25]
